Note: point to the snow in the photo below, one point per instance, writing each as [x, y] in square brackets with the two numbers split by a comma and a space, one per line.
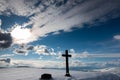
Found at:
[35, 74]
[110, 70]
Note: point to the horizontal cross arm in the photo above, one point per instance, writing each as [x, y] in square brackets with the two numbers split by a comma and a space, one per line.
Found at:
[64, 55]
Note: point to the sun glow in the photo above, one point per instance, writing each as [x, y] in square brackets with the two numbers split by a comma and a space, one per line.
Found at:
[21, 35]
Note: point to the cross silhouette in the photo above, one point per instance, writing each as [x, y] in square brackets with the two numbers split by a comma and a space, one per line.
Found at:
[67, 63]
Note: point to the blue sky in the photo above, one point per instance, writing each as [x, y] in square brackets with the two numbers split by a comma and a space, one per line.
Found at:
[36, 33]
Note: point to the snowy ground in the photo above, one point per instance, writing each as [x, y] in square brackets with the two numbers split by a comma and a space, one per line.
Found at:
[35, 74]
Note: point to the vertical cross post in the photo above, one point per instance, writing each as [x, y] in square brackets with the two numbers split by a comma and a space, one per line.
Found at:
[67, 63]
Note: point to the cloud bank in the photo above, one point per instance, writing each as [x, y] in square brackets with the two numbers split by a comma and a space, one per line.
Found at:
[61, 64]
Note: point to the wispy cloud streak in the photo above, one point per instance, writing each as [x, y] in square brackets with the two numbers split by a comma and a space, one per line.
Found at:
[53, 16]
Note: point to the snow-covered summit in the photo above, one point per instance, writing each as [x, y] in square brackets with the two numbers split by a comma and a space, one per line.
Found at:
[35, 74]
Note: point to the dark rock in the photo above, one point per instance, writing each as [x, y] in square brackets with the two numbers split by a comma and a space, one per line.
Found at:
[46, 76]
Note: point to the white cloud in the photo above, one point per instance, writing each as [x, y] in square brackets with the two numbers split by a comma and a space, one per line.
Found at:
[107, 55]
[72, 51]
[59, 55]
[7, 55]
[21, 35]
[5, 62]
[52, 51]
[73, 62]
[86, 54]
[41, 50]
[21, 7]
[23, 49]
[61, 63]
[77, 63]
[21, 52]
[48, 17]
[38, 49]
[44, 50]
[54, 19]
[3, 7]
[40, 57]
[117, 37]
[105, 64]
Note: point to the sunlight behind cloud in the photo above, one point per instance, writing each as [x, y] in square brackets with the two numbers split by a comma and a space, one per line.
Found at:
[21, 35]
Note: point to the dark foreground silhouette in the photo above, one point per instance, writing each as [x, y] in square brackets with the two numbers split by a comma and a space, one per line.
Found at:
[46, 76]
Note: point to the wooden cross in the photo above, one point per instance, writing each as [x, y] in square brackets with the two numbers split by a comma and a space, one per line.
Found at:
[67, 65]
